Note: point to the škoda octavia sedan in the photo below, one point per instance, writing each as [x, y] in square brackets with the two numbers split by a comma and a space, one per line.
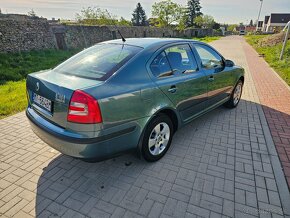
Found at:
[117, 96]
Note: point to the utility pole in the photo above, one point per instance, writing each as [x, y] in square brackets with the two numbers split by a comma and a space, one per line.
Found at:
[286, 39]
[259, 15]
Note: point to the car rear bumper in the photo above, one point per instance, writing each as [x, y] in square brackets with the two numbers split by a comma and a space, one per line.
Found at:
[77, 145]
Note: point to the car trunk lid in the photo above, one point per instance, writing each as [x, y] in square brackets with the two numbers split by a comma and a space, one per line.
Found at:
[50, 93]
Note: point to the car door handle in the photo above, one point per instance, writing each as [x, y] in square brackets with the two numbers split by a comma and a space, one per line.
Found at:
[211, 78]
[172, 89]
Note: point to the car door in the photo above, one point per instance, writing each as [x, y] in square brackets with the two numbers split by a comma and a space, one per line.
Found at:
[219, 78]
[176, 73]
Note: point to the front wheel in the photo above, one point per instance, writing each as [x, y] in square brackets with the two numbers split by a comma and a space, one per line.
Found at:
[235, 96]
[157, 138]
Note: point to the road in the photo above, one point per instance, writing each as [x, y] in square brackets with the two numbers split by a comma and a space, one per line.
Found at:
[223, 164]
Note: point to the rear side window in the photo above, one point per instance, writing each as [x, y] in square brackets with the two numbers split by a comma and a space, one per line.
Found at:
[160, 66]
[181, 59]
[210, 59]
[98, 62]
[173, 61]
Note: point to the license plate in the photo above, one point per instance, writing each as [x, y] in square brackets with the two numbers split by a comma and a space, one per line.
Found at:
[42, 101]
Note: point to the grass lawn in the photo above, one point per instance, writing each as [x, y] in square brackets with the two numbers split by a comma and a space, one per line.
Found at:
[12, 98]
[208, 39]
[272, 54]
[14, 68]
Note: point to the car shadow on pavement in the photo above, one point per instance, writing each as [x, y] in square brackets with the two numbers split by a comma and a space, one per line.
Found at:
[202, 153]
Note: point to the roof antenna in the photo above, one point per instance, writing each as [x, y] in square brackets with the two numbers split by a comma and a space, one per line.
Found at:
[122, 37]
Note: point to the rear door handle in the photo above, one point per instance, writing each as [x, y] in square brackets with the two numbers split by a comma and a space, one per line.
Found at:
[172, 89]
[211, 78]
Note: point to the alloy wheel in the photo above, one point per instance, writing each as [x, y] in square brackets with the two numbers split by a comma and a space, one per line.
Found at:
[159, 138]
[237, 93]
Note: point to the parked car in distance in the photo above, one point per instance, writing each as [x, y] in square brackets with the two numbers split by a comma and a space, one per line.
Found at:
[115, 96]
[242, 32]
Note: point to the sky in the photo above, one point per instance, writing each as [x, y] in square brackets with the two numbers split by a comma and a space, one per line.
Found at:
[224, 11]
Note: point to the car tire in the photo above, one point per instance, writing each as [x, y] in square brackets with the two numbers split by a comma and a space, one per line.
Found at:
[235, 95]
[157, 138]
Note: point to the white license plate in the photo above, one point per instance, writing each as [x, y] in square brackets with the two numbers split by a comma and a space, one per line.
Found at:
[42, 101]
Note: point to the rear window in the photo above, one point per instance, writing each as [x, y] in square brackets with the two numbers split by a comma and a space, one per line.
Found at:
[98, 62]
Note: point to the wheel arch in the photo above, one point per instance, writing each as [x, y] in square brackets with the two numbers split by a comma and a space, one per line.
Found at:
[242, 78]
[171, 113]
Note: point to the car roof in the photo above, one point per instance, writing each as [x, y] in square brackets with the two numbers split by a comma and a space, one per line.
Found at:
[148, 42]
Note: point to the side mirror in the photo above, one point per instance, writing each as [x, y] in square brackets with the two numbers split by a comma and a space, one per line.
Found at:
[229, 63]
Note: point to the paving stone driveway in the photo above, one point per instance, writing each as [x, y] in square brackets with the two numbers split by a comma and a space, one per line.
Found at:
[223, 164]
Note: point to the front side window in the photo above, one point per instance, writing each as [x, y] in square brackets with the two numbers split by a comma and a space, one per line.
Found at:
[210, 59]
[99, 61]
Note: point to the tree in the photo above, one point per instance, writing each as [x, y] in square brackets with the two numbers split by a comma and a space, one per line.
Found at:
[96, 16]
[139, 16]
[192, 11]
[153, 21]
[216, 26]
[31, 13]
[198, 21]
[204, 21]
[167, 13]
[232, 27]
[182, 21]
[251, 23]
[124, 22]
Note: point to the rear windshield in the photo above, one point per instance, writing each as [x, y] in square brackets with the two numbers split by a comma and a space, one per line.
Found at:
[98, 62]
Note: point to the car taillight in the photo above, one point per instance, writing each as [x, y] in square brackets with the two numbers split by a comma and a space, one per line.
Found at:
[83, 108]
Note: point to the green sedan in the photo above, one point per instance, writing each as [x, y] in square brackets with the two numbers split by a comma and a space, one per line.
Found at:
[118, 96]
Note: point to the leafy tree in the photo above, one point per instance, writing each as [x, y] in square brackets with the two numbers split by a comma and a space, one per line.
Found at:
[124, 22]
[153, 21]
[139, 16]
[198, 21]
[31, 13]
[204, 21]
[232, 27]
[167, 13]
[96, 16]
[192, 11]
[182, 21]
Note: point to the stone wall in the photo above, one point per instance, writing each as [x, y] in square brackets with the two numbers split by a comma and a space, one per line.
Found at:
[85, 36]
[23, 33]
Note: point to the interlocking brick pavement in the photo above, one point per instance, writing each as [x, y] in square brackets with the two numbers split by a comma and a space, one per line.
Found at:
[274, 96]
[221, 165]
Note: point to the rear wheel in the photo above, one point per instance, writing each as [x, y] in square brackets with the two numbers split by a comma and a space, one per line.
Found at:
[235, 96]
[157, 138]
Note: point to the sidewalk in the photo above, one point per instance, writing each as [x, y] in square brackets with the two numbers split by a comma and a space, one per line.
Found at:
[274, 97]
